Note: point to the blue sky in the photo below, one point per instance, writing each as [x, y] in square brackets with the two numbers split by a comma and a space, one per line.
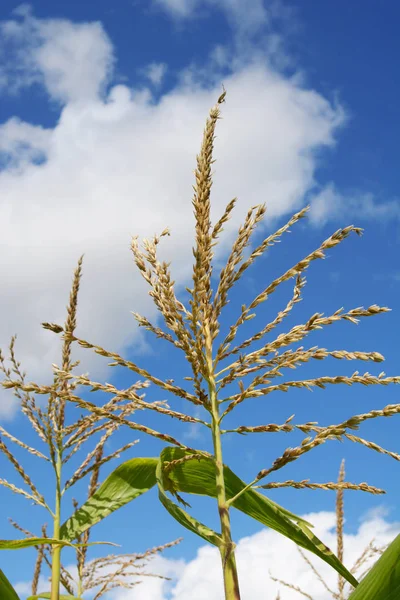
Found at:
[102, 111]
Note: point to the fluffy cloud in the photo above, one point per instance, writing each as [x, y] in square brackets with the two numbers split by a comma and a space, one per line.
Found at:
[330, 203]
[252, 23]
[257, 555]
[72, 60]
[155, 72]
[244, 17]
[75, 59]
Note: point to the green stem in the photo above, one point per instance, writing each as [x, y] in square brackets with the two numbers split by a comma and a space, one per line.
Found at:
[80, 590]
[56, 550]
[231, 581]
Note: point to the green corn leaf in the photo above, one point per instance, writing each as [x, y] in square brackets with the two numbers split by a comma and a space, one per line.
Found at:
[35, 541]
[131, 479]
[27, 542]
[383, 581]
[182, 516]
[7, 591]
[198, 477]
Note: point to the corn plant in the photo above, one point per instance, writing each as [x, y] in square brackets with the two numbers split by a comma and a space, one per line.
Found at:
[61, 442]
[194, 330]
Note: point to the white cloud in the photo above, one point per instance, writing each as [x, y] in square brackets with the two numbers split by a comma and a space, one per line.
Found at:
[256, 556]
[179, 8]
[22, 143]
[155, 72]
[122, 165]
[252, 27]
[72, 60]
[330, 203]
[244, 16]
[257, 28]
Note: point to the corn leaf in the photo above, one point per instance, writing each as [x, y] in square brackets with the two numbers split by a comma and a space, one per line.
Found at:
[27, 542]
[7, 591]
[198, 477]
[181, 515]
[383, 581]
[128, 481]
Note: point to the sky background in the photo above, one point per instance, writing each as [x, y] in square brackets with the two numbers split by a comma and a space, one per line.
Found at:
[102, 110]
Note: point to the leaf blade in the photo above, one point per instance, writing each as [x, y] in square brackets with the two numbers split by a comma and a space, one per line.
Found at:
[198, 477]
[382, 582]
[7, 591]
[128, 481]
[34, 541]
